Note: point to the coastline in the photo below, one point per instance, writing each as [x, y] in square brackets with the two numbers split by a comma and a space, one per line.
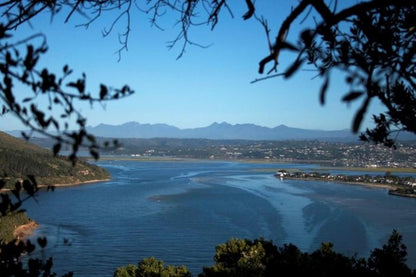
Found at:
[257, 161]
[64, 185]
[23, 232]
[396, 193]
[364, 184]
[392, 189]
[75, 184]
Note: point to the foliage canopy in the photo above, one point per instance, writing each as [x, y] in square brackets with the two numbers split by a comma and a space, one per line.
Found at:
[243, 257]
[371, 42]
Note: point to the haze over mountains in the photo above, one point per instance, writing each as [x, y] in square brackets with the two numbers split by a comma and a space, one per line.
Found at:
[221, 131]
[218, 131]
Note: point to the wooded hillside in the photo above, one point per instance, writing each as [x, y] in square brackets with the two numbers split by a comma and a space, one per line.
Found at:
[18, 159]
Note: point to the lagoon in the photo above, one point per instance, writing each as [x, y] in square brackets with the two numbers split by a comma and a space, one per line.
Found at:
[178, 211]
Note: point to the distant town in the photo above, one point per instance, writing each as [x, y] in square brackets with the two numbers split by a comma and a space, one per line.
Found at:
[326, 153]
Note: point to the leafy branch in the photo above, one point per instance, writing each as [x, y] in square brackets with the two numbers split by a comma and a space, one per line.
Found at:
[19, 67]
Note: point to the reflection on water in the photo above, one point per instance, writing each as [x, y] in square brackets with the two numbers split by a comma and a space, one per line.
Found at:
[179, 211]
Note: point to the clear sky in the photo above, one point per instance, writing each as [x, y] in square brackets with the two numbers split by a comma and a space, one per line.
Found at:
[206, 85]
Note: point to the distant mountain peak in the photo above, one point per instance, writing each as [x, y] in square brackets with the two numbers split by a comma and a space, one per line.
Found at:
[222, 130]
[282, 126]
[129, 123]
[221, 124]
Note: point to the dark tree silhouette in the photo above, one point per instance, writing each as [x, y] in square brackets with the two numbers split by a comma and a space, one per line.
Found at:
[238, 257]
[19, 59]
[19, 67]
[371, 42]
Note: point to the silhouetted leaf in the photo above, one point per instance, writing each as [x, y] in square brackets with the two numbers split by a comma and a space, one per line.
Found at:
[33, 180]
[56, 148]
[307, 37]
[24, 135]
[324, 88]
[360, 115]
[94, 153]
[30, 247]
[103, 91]
[4, 110]
[363, 137]
[42, 242]
[55, 123]
[30, 60]
[91, 138]
[65, 69]
[27, 99]
[9, 60]
[17, 189]
[4, 204]
[79, 85]
[29, 187]
[352, 96]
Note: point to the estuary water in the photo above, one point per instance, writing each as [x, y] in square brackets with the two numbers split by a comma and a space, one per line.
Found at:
[179, 211]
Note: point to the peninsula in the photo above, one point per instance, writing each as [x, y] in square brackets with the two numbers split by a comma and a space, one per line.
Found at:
[400, 186]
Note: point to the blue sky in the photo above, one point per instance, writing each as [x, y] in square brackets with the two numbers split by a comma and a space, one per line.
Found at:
[206, 85]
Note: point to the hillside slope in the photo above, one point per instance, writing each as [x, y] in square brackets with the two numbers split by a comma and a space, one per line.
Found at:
[18, 159]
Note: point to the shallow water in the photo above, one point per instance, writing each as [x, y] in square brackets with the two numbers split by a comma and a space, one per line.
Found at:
[179, 211]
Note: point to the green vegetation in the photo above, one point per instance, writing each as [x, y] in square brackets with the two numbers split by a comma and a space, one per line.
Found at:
[24, 168]
[19, 159]
[9, 222]
[243, 257]
[152, 267]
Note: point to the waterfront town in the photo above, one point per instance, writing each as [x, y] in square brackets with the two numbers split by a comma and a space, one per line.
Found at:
[358, 154]
[397, 185]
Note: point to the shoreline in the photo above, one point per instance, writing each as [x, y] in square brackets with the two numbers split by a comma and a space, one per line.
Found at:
[258, 161]
[75, 184]
[363, 184]
[396, 193]
[23, 232]
[64, 185]
[391, 189]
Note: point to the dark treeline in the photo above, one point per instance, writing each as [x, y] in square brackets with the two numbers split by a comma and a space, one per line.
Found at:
[242, 257]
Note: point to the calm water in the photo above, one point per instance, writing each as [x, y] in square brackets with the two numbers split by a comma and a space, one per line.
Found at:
[179, 211]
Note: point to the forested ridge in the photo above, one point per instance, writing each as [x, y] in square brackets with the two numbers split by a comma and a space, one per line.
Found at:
[18, 159]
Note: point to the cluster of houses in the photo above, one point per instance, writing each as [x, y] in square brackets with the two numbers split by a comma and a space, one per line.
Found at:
[408, 182]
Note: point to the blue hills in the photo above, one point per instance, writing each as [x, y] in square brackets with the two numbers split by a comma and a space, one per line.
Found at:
[219, 131]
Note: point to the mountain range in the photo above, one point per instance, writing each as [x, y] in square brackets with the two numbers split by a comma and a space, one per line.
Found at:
[218, 131]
